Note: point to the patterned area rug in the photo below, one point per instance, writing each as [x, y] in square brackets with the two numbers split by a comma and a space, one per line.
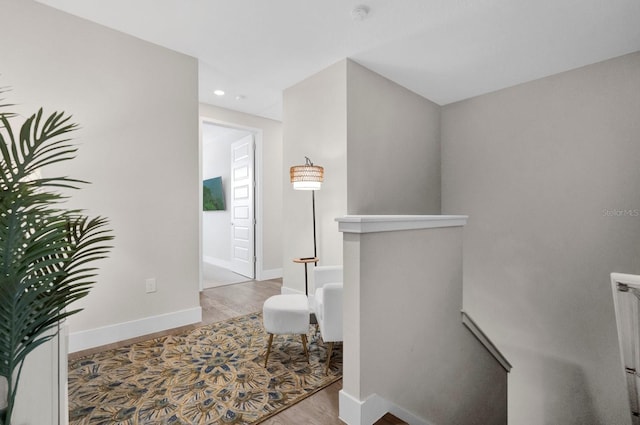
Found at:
[214, 374]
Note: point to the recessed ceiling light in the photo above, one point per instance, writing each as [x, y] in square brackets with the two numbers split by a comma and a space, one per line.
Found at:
[219, 92]
[359, 13]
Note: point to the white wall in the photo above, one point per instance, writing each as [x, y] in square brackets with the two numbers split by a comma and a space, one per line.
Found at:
[404, 340]
[541, 169]
[315, 120]
[269, 171]
[373, 137]
[216, 243]
[138, 144]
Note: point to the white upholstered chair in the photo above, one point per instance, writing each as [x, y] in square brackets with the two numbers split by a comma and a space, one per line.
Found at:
[327, 305]
[286, 314]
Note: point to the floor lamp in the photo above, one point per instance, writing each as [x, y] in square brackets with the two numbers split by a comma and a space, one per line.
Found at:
[308, 177]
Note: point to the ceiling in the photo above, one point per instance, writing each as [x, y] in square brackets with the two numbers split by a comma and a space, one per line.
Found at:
[444, 50]
[214, 134]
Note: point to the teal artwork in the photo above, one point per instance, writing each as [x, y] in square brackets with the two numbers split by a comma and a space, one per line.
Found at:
[212, 194]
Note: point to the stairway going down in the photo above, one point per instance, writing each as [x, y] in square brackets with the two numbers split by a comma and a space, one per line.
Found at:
[389, 419]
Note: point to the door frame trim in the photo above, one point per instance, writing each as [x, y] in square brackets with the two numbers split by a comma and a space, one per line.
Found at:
[258, 198]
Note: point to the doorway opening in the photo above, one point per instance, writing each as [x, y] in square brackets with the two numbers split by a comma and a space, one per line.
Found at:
[228, 224]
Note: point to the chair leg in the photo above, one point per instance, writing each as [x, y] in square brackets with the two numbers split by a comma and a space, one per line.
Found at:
[329, 352]
[304, 345]
[268, 350]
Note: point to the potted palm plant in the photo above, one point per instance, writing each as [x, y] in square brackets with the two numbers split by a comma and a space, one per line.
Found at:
[45, 250]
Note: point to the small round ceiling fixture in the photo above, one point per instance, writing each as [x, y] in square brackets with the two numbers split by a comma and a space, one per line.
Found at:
[359, 13]
[219, 92]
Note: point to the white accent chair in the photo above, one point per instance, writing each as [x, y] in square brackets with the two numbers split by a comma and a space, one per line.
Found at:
[327, 305]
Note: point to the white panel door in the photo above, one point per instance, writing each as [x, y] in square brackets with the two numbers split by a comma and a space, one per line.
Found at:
[242, 221]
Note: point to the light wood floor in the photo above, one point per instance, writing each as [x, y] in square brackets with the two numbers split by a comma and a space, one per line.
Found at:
[229, 301]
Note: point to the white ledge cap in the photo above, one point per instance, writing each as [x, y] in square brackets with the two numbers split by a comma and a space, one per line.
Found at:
[632, 280]
[390, 223]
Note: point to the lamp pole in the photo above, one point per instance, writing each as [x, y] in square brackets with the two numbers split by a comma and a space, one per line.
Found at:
[313, 205]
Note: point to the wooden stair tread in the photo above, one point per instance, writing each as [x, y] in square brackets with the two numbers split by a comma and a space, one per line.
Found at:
[389, 419]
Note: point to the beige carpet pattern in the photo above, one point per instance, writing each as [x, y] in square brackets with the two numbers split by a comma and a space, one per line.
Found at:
[213, 374]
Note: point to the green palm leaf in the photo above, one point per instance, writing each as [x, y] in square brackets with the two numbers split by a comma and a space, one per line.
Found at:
[45, 251]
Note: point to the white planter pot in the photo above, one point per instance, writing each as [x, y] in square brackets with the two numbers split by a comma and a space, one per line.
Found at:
[41, 398]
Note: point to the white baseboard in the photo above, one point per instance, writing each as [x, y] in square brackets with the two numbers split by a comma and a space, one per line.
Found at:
[260, 274]
[225, 264]
[91, 338]
[269, 274]
[368, 411]
[356, 412]
[286, 290]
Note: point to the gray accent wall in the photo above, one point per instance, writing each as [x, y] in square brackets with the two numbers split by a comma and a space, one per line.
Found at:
[549, 174]
[393, 147]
